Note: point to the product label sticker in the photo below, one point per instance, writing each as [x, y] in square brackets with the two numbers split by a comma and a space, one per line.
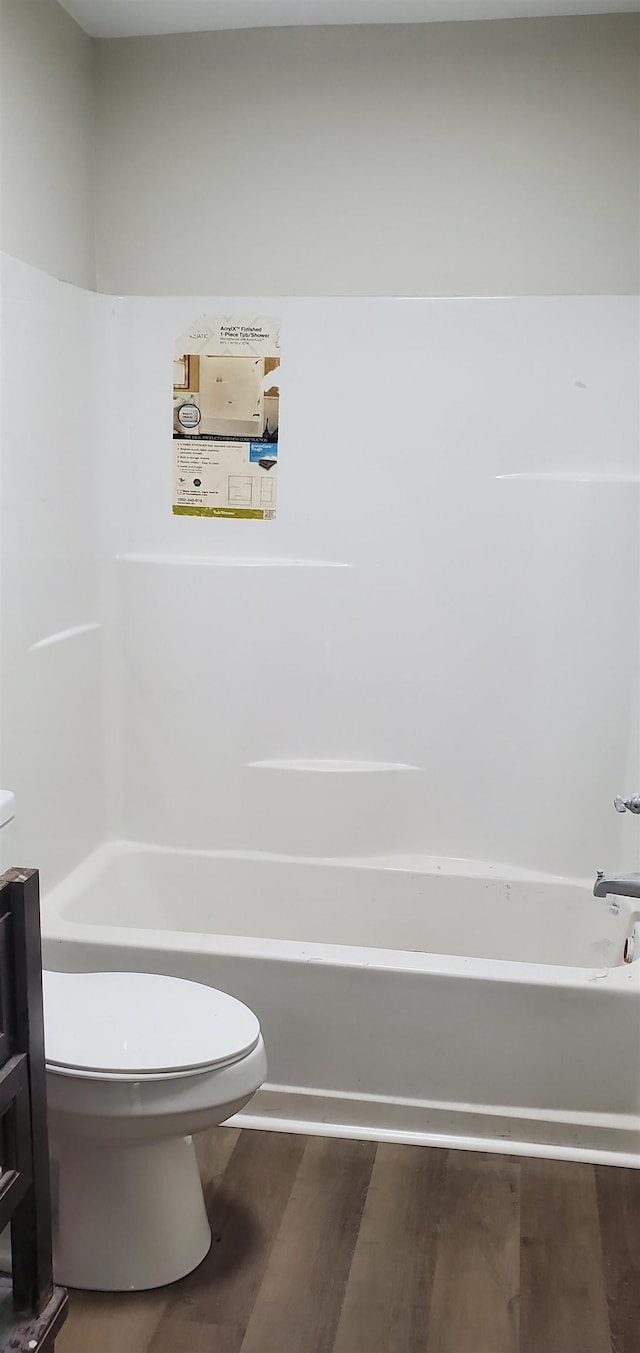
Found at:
[226, 398]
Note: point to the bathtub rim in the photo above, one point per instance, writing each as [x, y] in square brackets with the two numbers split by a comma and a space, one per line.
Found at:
[57, 928]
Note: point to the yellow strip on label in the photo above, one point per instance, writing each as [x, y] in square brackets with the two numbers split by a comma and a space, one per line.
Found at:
[185, 511]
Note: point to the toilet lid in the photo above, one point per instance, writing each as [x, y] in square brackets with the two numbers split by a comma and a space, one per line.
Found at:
[123, 1023]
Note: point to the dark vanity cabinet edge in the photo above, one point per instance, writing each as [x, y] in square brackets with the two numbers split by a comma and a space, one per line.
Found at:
[32, 1310]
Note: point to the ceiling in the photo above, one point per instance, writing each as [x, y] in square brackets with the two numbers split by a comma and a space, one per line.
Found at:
[132, 18]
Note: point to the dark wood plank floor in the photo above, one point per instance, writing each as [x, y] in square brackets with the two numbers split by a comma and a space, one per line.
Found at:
[328, 1246]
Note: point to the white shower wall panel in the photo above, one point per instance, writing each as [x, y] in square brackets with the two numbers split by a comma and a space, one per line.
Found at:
[54, 341]
[451, 585]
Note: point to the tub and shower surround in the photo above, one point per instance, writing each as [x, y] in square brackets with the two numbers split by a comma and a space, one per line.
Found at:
[411, 664]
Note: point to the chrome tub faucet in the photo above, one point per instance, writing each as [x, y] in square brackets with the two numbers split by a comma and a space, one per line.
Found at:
[620, 885]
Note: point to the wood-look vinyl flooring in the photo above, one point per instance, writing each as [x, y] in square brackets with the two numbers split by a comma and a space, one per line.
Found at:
[332, 1246]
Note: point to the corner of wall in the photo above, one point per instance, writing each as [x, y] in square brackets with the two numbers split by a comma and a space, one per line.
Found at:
[47, 140]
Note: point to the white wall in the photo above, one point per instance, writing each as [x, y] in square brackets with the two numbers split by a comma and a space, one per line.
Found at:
[483, 630]
[46, 146]
[52, 547]
[464, 159]
[493, 158]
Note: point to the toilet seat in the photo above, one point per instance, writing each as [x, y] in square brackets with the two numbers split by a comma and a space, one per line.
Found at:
[132, 1026]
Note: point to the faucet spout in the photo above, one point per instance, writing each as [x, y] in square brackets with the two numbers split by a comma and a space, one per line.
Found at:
[618, 885]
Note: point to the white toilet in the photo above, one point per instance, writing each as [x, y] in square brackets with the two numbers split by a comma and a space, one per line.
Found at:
[135, 1064]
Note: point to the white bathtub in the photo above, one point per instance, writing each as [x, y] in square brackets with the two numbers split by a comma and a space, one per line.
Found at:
[506, 1020]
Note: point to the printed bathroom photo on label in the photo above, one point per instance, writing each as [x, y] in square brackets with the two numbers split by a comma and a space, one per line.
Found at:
[226, 396]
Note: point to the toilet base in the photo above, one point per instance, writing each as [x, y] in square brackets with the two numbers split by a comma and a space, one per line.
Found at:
[127, 1217]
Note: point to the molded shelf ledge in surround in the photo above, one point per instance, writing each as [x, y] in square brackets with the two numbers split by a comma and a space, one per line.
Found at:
[333, 767]
[62, 635]
[219, 561]
[573, 477]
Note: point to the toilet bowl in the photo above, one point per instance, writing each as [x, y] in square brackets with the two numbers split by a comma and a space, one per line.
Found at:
[136, 1063]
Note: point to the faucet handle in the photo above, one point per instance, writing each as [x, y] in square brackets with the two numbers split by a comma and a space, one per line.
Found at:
[631, 805]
